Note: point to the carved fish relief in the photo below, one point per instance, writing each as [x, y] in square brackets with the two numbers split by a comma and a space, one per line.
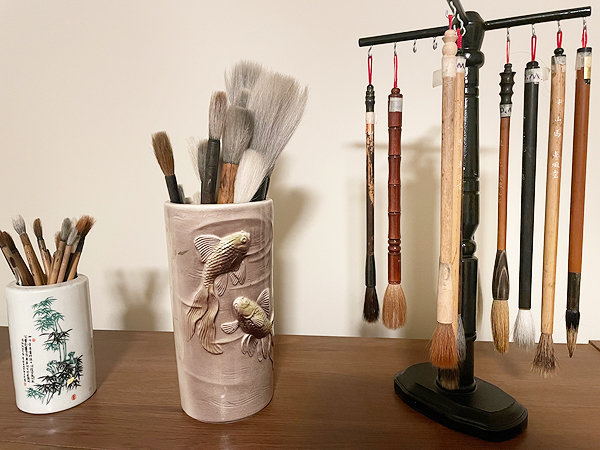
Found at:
[223, 259]
[254, 319]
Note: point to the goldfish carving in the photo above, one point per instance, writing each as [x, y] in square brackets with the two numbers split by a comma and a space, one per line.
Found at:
[224, 259]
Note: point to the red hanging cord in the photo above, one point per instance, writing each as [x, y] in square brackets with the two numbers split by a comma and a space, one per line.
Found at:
[395, 68]
[533, 46]
[507, 47]
[449, 21]
[559, 39]
[584, 36]
[458, 38]
[370, 66]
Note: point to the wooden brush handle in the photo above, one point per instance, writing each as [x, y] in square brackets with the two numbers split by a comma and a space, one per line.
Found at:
[506, 90]
[226, 190]
[8, 256]
[34, 265]
[555, 143]
[56, 261]
[46, 260]
[580, 144]
[530, 119]
[395, 101]
[73, 267]
[457, 177]
[370, 185]
[445, 303]
[64, 264]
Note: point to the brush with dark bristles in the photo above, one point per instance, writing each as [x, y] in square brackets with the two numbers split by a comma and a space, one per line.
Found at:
[240, 80]
[73, 235]
[65, 229]
[38, 275]
[277, 103]
[500, 281]
[84, 225]
[545, 360]
[44, 253]
[164, 155]
[22, 268]
[239, 126]
[216, 123]
[580, 143]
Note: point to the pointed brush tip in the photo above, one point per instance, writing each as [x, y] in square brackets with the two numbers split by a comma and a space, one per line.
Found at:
[371, 306]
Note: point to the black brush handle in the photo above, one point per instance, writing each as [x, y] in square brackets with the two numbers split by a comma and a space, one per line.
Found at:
[173, 189]
[211, 170]
[261, 192]
[507, 81]
[530, 122]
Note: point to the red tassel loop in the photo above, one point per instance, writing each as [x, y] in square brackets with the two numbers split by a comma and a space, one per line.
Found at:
[533, 46]
[395, 69]
[370, 66]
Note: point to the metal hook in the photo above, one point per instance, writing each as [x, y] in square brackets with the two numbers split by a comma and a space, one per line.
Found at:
[585, 23]
[415, 46]
[559, 29]
[394, 48]
[453, 8]
[369, 52]
[434, 43]
[508, 35]
[533, 30]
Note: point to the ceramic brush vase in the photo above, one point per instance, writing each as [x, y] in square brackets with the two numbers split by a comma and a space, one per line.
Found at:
[220, 265]
[51, 345]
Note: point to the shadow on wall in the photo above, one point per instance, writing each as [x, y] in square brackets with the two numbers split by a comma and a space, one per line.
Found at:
[289, 204]
[419, 235]
[139, 292]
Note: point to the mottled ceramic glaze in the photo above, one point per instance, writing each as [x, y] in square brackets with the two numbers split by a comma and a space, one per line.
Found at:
[51, 345]
[217, 254]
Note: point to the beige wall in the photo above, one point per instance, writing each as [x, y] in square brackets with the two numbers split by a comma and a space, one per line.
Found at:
[84, 84]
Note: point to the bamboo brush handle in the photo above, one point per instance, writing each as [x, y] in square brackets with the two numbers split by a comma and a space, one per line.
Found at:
[370, 185]
[395, 103]
[34, 265]
[46, 260]
[226, 190]
[56, 261]
[8, 255]
[445, 301]
[74, 264]
[530, 119]
[580, 143]
[209, 188]
[555, 143]
[64, 264]
[457, 177]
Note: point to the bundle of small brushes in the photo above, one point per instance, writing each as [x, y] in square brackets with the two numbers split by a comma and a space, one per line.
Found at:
[59, 267]
[249, 126]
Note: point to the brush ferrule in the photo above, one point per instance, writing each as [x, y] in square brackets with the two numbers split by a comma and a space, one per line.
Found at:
[261, 192]
[370, 98]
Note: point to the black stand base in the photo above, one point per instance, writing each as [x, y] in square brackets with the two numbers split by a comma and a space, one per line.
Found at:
[486, 412]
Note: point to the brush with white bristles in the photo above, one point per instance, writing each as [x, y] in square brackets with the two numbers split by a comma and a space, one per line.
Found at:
[239, 125]
[65, 229]
[277, 102]
[36, 270]
[240, 80]
[216, 125]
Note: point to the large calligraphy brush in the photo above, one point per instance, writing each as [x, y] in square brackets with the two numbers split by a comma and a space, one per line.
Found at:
[545, 360]
[524, 329]
[393, 314]
[240, 80]
[444, 350]
[216, 125]
[580, 142]
[500, 280]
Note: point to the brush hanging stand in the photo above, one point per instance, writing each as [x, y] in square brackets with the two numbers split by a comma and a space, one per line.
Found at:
[477, 407]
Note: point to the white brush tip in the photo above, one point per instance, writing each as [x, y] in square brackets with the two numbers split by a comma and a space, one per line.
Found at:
[19, 224]
[524, 330]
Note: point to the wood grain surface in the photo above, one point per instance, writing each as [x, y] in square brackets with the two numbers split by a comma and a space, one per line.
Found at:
[330, 393]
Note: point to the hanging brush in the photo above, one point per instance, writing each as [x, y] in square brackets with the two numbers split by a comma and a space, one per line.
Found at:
[164, 155]
[239, 126]
[44, 253]
[240, 80]
[580, 142]
[444, 350]
[84, 225]
[277, 103]
[216, 124]
[36, 270]
[524, 328]
[22, 268]
[65, 229]
[500, 280]
[544, 361]
[393, 313]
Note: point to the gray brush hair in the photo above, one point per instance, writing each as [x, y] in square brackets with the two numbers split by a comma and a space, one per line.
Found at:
[216, 114]
[19, 224]
[239, 126]
[240, 80]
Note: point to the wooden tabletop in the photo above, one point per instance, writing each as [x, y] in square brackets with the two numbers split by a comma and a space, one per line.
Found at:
[330, 393]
